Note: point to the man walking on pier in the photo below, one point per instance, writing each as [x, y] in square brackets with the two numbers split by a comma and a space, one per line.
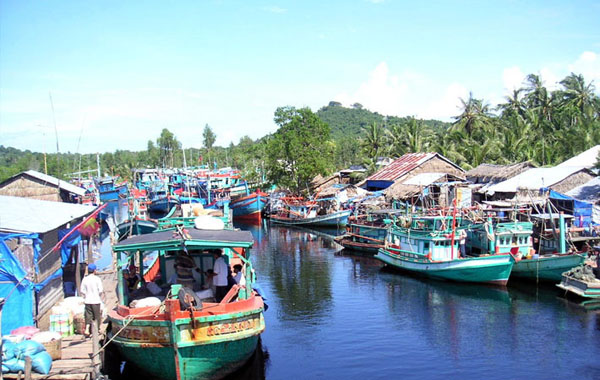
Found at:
[92, 291]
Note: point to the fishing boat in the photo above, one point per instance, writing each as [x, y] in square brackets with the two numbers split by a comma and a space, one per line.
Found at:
[135, 227]
[428, 245]
[109, 190]
[297, 212]
[161, 202]
[366, 232]
[516, 237]
[249, 208]
[581, 282]
[185, 336]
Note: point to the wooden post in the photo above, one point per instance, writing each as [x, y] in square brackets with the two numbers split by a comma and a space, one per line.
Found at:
[27, 367]
[95, 348]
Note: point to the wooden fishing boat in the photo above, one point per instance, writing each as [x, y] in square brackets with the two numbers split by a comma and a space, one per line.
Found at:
[185, 337]
[339, 218]
[249, 208]
[366, 232]
[582, 286]
[515, 237]
[135, 227]
[428, 245]
[295, 211]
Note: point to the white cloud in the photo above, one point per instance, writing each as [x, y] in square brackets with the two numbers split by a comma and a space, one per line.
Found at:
[588, 65]
[406, 94]
[513, 78]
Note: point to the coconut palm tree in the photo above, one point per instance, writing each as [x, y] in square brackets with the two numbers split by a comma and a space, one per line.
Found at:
[475, 116]
[373, 142]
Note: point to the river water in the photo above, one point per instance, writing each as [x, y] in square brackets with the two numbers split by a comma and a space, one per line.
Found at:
[337, 315]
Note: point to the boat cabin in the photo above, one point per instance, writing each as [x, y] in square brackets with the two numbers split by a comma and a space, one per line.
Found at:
[168, 247]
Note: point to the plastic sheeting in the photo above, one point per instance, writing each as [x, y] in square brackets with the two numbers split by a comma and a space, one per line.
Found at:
[15, 288]
[583, 212]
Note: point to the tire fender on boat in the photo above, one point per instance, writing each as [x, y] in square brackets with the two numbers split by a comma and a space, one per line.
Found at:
[188, 299]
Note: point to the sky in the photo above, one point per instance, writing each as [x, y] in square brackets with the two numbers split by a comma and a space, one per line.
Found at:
[98, 76]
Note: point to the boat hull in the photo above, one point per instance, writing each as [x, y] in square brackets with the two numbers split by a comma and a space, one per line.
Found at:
[135, 227]
[249, 208]
[580, 288]
[339, 218]
[493, 269]
[546, 268]
[163, 205]
[348, 243]
[174, 348]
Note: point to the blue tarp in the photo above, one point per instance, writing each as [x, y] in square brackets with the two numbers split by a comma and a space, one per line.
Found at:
[73, 240]
[582, 211]
[14, 287]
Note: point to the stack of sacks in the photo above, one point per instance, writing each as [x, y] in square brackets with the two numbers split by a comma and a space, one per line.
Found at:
[14, 354]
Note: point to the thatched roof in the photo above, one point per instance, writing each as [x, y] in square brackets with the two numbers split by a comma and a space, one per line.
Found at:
[486, 173]
[351, 191]
[319, 183]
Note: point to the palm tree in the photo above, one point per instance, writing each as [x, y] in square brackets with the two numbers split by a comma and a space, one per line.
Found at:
[395, 140]
[475, 115]
[515, 105]
[373, 143]
[415, 134]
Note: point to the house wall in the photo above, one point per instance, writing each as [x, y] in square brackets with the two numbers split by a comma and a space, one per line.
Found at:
[28, 188]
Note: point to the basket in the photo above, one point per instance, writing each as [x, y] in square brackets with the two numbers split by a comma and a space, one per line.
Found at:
[79, 322]
[54, 348]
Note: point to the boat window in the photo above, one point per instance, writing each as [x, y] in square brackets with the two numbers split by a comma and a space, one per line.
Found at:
[426, 245]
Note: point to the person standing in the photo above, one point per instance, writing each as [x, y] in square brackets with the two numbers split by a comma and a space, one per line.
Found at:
[462, 242]
[92, 293]
[220, 273]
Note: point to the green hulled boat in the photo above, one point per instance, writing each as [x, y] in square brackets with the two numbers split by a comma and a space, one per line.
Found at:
[183, 335]
[516, 238]
[429, 245]
[366, 232]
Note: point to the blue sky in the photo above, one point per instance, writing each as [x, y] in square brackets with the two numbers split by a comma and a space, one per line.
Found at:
[121, 71]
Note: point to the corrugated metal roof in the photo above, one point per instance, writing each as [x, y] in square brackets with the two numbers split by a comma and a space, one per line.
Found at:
[405, 164]
[534, 179]
[32, 215]
[401, 166]
[55, 181]
[588, 192]
[586, 159]
[423, 179]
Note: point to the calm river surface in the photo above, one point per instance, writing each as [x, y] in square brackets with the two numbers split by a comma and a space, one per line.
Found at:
[337, 315]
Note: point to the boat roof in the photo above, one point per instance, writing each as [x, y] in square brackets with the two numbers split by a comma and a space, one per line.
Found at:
[171, 239]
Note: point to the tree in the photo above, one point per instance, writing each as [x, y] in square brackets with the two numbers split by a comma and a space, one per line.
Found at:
[373, 143]
[475, 116]
[167, 144]
[299, 150]
[208, 137]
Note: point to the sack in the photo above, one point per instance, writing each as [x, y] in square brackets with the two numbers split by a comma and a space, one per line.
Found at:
[9, 350]
[41, 362]
[14, 365]
[29, 348]
[28, 331]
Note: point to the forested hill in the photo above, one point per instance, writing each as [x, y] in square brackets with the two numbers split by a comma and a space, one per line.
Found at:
[351, 121]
